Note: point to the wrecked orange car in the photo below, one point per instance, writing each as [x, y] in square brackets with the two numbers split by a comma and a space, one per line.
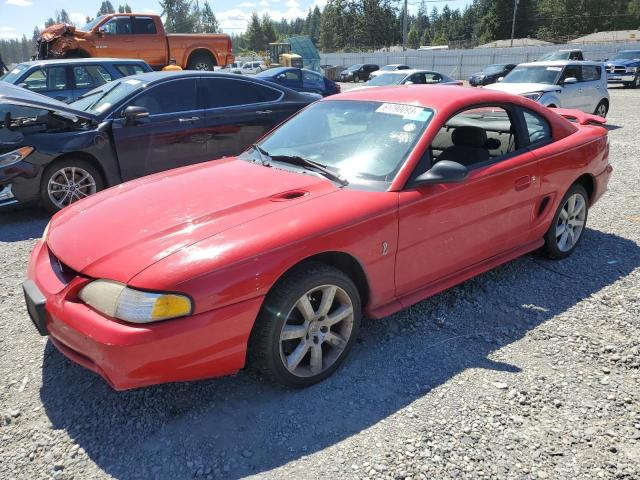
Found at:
[131, 35]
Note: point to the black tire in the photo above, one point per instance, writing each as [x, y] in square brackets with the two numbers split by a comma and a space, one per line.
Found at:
[602, 104]
[636, 82]
[264, 352]
[201, 61]
[52, 170]
[551, 244]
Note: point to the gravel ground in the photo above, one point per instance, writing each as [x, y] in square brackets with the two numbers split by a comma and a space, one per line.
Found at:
[529, 371]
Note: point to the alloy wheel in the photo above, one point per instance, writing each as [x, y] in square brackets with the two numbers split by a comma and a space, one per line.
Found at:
[571, 222]
[316, 330]
[70, 184]
[601, 111]
[201, 66]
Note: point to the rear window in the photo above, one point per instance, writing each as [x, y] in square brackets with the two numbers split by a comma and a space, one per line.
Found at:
[591, 73]
[144, 26]
[127, 70]
[222, 92]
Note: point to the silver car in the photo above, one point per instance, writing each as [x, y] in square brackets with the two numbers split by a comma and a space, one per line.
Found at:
[411, 77]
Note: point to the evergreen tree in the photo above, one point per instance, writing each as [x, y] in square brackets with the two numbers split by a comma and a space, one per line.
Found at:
[254, 34]
[268, 31]
[413, 38]
[209, 22]
[106, 8]
[178, 16]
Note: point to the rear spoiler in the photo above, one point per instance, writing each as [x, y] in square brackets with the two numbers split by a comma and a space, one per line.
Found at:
[580, 117]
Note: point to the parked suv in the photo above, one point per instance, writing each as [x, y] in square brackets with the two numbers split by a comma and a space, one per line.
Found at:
[624, 68]
[68, 79]
[358, 72]
[564, 84]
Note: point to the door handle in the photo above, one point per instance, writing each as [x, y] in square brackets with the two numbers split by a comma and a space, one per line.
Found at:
[190, 119]
[264, 112]
[523, 182]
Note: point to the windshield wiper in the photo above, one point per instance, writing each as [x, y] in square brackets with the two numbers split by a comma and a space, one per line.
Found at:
[90, 94]
[310, 164]
[266, 159]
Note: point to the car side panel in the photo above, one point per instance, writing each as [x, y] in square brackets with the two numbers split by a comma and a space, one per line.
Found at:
[225, 268]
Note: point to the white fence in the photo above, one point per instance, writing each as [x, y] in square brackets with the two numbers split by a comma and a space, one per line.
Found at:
[460, 64]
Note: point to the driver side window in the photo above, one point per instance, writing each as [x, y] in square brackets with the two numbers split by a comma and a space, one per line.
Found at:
[475, 137]
[117, 26]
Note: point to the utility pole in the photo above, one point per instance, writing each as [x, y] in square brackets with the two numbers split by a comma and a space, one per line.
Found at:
[513, 22]
[404, 27]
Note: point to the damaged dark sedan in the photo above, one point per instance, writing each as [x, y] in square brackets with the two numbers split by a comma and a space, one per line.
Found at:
[56, 153]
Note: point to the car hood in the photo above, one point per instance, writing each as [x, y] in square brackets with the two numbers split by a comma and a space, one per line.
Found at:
[118, 233]
[622, 62]
[15, 95]
[520, 88]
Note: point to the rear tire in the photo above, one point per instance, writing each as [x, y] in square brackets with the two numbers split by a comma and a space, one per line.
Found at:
[67, 181]
[602, 109]
[306, 326]
[636, 82]
[201, 61]
[568, 223]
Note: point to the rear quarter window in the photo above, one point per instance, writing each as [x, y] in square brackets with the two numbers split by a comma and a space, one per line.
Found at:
[127, 70]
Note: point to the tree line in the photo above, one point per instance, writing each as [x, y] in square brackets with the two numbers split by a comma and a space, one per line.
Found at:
[352, 25]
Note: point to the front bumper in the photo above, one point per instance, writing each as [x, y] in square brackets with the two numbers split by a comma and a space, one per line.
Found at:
[620, 78]
[204, 345]
[19, 184]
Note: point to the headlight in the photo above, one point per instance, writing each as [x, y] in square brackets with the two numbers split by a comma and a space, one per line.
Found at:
[632, 69]
[119, 301]
[535, 96]
[15, 156]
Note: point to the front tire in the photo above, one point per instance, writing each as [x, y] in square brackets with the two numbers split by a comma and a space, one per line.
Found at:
[306, 326]
[67, 181]
[636, 82]
[568, 224]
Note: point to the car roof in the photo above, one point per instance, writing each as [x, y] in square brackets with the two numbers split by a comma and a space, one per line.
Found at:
[436, 96]
[558, 63]
[72, 61]
[411, 71]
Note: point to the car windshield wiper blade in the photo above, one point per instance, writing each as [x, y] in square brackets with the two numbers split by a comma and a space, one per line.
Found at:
[264, 156]
[310, 164]
[90, 94]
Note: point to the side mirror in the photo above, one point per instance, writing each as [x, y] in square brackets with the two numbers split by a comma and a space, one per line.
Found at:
[23, 85]
[409, 82]
[500, 79]
[570, 81]
[282, 76]
[133, 114]
[444, 171]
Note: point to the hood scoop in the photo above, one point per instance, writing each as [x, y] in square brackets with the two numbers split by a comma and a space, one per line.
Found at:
[289, 195]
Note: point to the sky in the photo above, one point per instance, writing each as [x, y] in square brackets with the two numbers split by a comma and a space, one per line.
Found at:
[18, 17]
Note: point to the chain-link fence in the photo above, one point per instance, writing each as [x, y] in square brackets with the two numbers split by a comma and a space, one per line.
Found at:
[460, 64]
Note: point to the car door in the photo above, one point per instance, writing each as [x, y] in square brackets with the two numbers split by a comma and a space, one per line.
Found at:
[312, 82]
[290, 78]
[52, 81]
[572, 94]
[116, 39]
[594, 87]
[172, 136]
[447, 228]
[238, 112]
[155, 47]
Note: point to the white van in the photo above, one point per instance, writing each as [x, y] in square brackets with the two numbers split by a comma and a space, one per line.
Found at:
[564, 84]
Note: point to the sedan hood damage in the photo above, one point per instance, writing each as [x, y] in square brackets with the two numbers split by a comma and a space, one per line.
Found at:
[161, 214]
[18, 96]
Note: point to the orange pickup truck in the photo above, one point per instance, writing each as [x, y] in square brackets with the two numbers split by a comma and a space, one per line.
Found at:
[132, 35]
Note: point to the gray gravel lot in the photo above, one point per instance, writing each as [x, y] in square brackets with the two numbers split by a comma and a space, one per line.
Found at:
[529, 371]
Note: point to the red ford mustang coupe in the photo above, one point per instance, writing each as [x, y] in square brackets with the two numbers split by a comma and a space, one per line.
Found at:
[363, 203]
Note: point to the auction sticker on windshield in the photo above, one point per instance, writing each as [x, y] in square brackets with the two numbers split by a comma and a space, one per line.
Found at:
[407, 111]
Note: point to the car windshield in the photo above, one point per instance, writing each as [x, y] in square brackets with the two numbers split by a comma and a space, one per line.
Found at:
[89, 26]
[12, 75]
[493, 69]
[534, 74]
[628, 55]
[554, 56]
[389, 67]
[354, 67]
[387, 79]
[365, 142]
[100, 99]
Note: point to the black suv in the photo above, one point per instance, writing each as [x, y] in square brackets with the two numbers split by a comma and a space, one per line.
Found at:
[490, 74]
[358, 72]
